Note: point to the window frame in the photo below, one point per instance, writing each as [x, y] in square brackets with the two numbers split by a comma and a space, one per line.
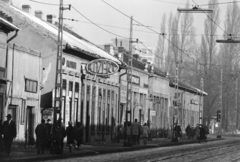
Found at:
[31, 85]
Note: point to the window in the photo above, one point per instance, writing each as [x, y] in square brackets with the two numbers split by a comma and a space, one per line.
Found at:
[64, 84]
[31, 85]
[76, 87]
[99, 109]
[70, 86]
[93, 109]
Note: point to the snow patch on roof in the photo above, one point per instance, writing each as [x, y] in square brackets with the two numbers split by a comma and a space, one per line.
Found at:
[69, 39]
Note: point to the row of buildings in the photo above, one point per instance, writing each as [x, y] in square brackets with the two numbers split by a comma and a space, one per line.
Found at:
[28, 51]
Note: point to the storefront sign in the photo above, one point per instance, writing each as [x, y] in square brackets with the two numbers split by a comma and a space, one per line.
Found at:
[102, 67]
[135, 79]
[153, 113]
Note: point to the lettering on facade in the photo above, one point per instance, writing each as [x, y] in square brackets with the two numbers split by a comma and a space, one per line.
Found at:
[102, 67]
[71, 64]
[135, 79]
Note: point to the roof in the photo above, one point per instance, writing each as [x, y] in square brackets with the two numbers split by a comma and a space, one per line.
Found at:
[9, 25]
[187, 87]
[71, 40]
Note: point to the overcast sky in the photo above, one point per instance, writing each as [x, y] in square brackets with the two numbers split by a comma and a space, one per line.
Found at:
[148, 12]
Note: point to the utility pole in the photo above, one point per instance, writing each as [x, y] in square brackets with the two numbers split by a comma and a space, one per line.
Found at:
[58, 78]
[237, 117]
[220, 109]
[129, 79]
[201, 100]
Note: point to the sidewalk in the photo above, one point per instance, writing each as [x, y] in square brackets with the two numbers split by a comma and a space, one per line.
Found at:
[88, 150]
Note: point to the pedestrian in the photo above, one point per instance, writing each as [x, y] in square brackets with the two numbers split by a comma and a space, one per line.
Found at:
[115, 132]
[129, 134]
[135, 126]
[62, 132]
[1, 132]
[78, 135]
[9, 133]
[70, 136]
[197, 131]
[145, 132]
[42, 136]
[49, 127]
[188, 131]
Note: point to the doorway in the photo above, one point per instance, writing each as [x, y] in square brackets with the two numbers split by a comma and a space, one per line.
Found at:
[29, 126]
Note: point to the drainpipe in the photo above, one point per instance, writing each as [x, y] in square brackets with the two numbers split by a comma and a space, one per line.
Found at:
[6, 75]
[119, 98]
[12, 37]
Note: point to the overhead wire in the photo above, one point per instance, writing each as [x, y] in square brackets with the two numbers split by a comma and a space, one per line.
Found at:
[98, 25]
[219, 3]
[162, 33]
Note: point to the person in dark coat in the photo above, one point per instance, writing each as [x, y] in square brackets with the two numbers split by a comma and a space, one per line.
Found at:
[9, 133]
[49, 127]
[70, 135]
[42, 136]
[188, 131]
[1, 132]
[78, 133]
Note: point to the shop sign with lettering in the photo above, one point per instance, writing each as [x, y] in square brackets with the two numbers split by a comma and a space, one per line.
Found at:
[135, 79]
[102, 67]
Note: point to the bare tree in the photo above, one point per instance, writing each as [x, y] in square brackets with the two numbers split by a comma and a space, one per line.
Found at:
[208, 53]
[228, 54]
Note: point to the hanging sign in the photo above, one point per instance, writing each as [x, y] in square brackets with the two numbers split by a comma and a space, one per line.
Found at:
[102, 67]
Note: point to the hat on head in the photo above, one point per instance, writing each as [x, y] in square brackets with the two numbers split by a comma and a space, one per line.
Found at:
[9, 116]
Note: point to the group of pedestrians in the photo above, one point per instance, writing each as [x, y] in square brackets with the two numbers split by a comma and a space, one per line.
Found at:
[199, 132]
[51, 136]
[134, 131]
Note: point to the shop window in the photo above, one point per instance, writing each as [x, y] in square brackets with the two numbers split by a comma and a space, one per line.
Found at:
[76, 87]
[70, 86]
[82, 102]
[99, 109]
[104, 106]
[108, 111]
[31, 85]
[112, 109]
[64, 84]
[93, 109]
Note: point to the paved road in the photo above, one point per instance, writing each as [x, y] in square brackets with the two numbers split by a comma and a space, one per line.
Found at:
[218, 151]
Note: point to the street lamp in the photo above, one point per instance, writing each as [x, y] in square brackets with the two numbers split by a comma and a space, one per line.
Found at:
[195, 9]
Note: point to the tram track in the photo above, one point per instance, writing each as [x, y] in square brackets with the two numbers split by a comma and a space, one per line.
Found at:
[171, 154]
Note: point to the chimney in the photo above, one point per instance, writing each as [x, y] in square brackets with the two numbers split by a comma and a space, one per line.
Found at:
[50, 18]
[26, 8]
[38, 14]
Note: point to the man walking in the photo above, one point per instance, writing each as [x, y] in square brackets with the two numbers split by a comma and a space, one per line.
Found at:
[135, 131]
[42, 136]
[9, 133]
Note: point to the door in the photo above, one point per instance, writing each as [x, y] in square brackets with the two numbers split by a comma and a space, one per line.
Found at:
[87, 122]
[29, 126]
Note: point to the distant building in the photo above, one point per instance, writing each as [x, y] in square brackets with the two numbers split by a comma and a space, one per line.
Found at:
[137, 48]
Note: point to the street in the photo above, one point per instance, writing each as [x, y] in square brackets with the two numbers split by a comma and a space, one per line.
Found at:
[216, 151]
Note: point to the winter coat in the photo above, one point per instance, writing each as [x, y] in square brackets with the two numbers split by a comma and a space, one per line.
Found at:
[145, 131]
[70, 134]
[78, 133]
[42, 134]
[9, 130]
[135, 128]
